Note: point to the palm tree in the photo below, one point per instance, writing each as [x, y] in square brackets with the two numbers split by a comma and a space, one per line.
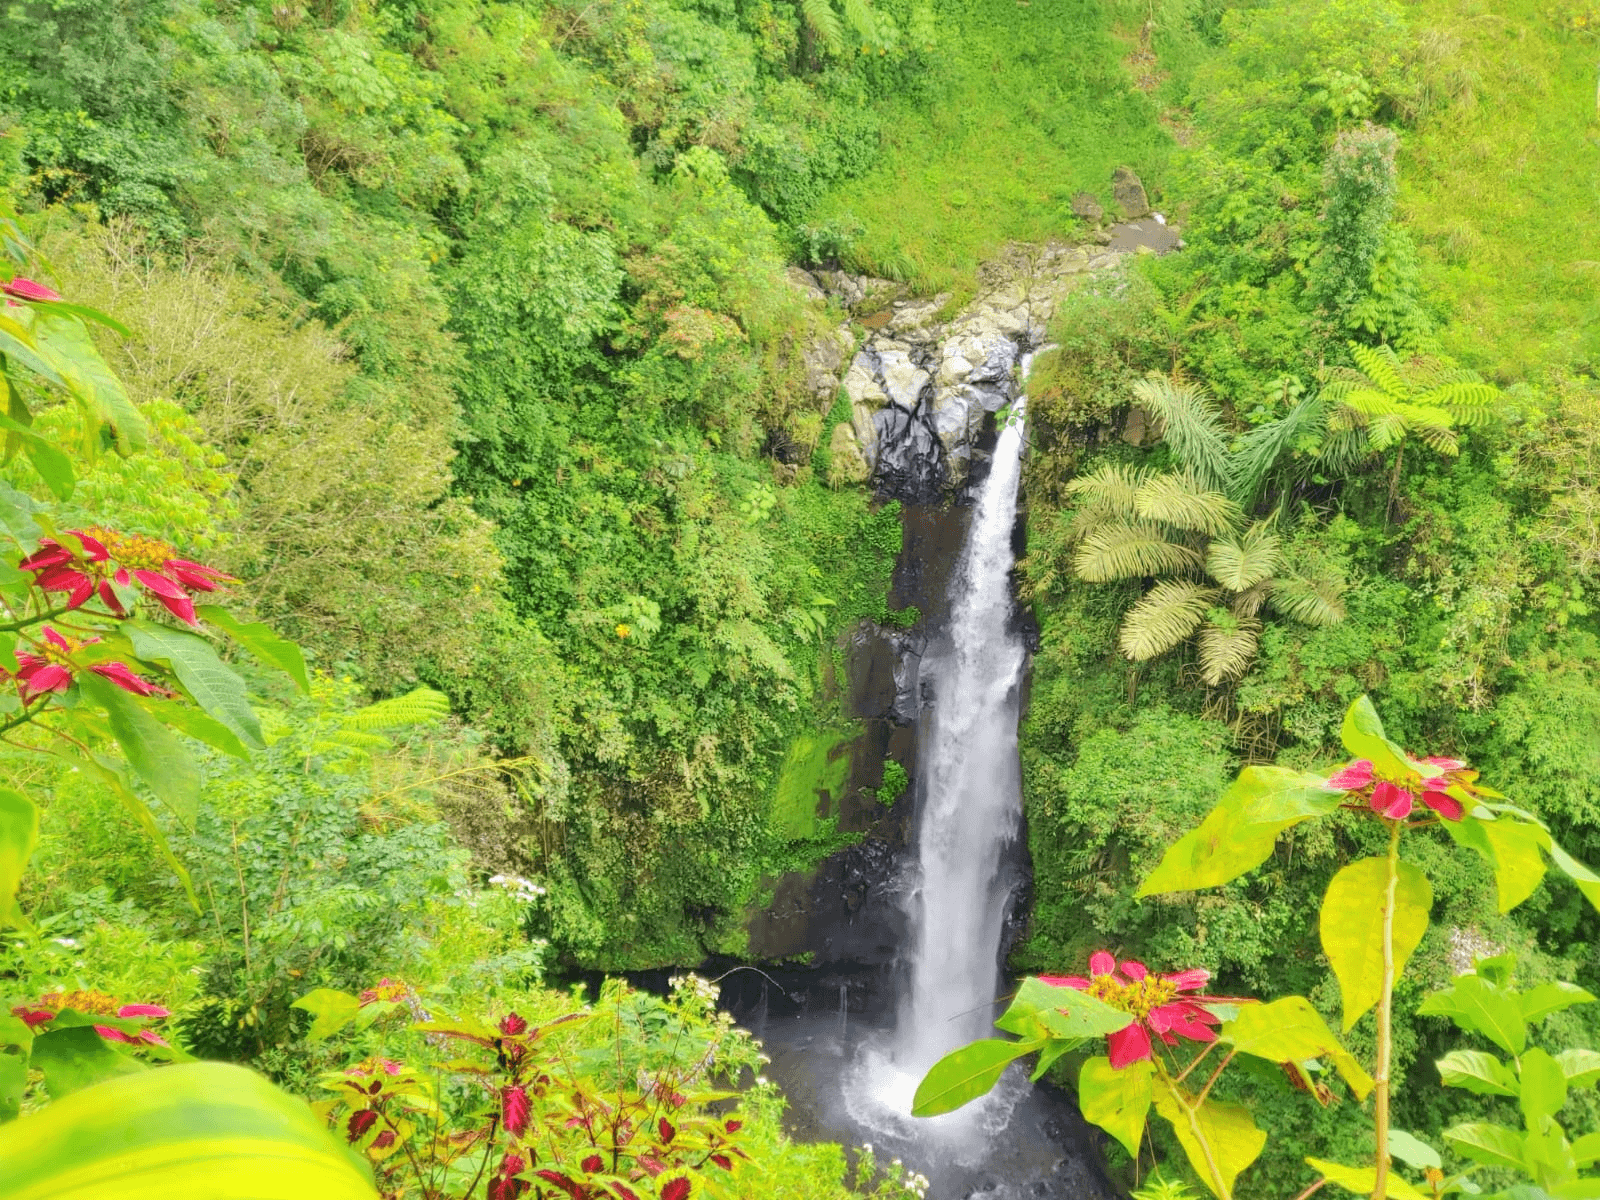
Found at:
[1186, 529]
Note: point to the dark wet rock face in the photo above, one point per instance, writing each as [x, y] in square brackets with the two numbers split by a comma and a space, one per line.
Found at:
[910, 459]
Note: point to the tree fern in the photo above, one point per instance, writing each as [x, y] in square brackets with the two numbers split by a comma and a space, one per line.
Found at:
[1240, 561]
[1130, 550]
[1228, 647]
[859, 14]
[1190, 425]
[1184, 502]
[1164, 617]
[1381, 365]
[1309, 601]
[420, 707]
[824, 23]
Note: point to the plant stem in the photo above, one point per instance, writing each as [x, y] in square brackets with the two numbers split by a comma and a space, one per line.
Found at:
[1380, 1077]
[1189, 1112]
[1312, 1190]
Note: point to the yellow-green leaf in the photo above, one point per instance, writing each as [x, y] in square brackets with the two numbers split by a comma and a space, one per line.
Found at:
[202, 1131]
[1362, 1180]
[1290, 1030]
[1477, 1071]
[19, 830]
[1043, 1010]
[331, 1011]
[965, 1074]
[1352, 923]
[1487, 1143]
[1220, 1139]
[1362, 734]
[1518, 861]
[160, 759]
[1117, 1101]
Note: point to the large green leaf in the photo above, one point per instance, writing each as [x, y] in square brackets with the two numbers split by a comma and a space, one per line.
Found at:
[1117, 1101]
[159, 758]
[1362, 734]
[113, 775]
[1043, 1010]
[1479, 1006]
[1361, 1180]
[1217, 1135]
[1413, 1151]
[270, 649]
[1544, 1087]
[1240, 832]
[75, 1057]
[331, 1011]
[65, 342]
[19, 830]
[1477, 1071]
[1518, 860]
[965, 1074]
[213, 685]
[1290, 1030]
[203, 1131]
[1352, 923]
[52, 463]
[1538, 1003]
[187, 719]
[1586, 1149]
[1489, 1144]
[1588, 882]
[13, 1082]
[1580, 1065]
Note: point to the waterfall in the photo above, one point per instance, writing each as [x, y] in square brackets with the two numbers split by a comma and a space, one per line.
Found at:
[971, 780]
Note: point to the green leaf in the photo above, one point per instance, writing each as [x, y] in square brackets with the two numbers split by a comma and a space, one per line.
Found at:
[1352, 922]
[259, 639]
[1290, 1030]
[1518, 862]
[77, 1056]
[1580, 1065]
[1362, 1180]
[1586, 1149]
[1048, 1056]
[1413, 1151]
[111, 774]
[1489, 1144]
[331, 1010]
[159, 758]
[1478, 1006]
[1477, 1071]
[1538, 1003]
[1362, 734]
[965, 1074]
[201, 1131]
[213, 686]
[1239, 834]
[1117, 1101]
[1218, 1132]
[1042, 1010]
[16, 515]
[1588, 882]
[13, 1082]
[65, 341]
[52, 463]
[187, 719]
[19, 832]
[1544, 1087]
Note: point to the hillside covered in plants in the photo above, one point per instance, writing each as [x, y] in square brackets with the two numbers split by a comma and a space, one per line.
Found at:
[456, 451]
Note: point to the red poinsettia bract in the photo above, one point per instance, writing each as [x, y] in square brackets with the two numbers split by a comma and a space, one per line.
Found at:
[1156, 1003]
[27, 289]
[41, 674]
[109, 557]
[1395, 799]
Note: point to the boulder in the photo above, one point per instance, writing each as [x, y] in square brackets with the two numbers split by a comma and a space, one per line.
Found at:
[861, 381]
[846, 462]
[806, 284]
[823, 359]
[1129, 193]
[1087, 205]
[903, 379]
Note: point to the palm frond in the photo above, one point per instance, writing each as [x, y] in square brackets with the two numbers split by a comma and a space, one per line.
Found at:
[1248, 602]
[1381, 365]
[1183, 501]
[1130, 550]
[1343, 448]
[1228, 647]
[1166, 615]
[1190, 424]
[1110, 487]
[420, 707]
[1259, 450]
[1309, 601]
[1239, 562]
[825, 23]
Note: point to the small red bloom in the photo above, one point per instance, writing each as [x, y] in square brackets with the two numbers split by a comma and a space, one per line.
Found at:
[515, 1110]
[142, 1010]
[126, 559]
[387, 989]
[33, 1016]
[1154, 1001]
[112, 1035]
[512, 1025]
[41, 674]
[27, 289]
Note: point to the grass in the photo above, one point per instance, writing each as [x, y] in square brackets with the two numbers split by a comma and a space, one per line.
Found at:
[1502, 189]
[814, 764]
[1031, 104]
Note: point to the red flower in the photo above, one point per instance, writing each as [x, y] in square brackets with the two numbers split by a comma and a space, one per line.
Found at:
[1395, 799]
[512, 1025]
[1154, 1001]
[39, 675]
[387, 989]
[125, 559]
[27, 289]
[514, 1110]
[142, 1010]
[33, 1016]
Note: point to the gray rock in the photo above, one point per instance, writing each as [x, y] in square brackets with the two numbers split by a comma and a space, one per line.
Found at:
[1087, 205]
[861, 381]
[806, 283]
[823, 359]
[902, 379]
[1129, 193]
[846, 462]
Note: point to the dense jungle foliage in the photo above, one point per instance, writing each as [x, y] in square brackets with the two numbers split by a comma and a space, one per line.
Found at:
[463, 338]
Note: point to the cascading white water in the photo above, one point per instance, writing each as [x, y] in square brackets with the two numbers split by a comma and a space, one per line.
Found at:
[972, 799]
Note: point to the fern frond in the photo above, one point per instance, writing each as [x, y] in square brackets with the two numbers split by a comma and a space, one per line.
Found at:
[1381, 365]
[1239, 563]
[1259, 450]
[420, 707]
[1342, 448]
[1468, 402]
[1440, 438]
[859, 14]
[1227, 648]
[1130, 550]
[1190, 425]
[1164, 617]
[1385, 430]
[1110, 488]
[825, 23]
[1369, 402]
[1183, 501]
[1309, 601]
